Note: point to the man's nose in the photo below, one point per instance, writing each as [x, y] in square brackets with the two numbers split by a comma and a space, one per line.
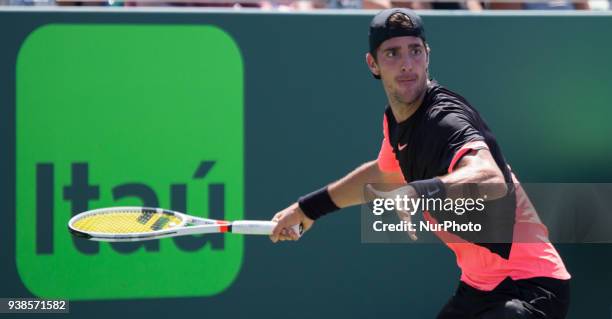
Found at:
[406, 65]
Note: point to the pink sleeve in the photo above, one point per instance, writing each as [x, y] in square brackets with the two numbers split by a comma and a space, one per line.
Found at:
[386, 158]
[466, 148]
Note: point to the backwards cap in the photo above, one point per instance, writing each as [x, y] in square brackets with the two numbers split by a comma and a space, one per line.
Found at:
[380, 30]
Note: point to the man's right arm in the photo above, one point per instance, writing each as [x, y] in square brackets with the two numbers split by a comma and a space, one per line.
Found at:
[345, 192]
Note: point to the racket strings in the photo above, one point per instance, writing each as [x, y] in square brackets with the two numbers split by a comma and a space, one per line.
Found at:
[126, 222]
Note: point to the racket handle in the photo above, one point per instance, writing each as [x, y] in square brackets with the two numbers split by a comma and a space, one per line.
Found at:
[257, 227]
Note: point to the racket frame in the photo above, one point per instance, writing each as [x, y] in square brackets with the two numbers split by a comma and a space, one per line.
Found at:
[190, 225]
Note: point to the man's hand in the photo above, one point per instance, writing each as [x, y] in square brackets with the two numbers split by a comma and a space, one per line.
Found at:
[290, 216]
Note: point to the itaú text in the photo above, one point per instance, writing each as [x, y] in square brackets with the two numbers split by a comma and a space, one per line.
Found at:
[451, 226]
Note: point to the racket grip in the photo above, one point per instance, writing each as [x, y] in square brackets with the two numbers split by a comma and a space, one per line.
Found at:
[256, 227]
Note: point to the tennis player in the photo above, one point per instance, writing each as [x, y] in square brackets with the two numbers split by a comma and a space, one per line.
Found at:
[434, 138]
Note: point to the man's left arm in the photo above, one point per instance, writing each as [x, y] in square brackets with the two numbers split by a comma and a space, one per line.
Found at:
[475, 166]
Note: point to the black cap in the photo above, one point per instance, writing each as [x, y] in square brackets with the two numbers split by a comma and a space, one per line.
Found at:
[380, 30]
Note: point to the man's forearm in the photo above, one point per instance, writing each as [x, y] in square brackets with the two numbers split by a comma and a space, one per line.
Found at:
[349, 190]
[476, 169]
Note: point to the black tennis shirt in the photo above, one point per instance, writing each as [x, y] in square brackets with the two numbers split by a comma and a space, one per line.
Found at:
[426, 143]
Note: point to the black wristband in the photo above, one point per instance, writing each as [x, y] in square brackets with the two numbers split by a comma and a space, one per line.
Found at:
[317, 204]
[429, 188]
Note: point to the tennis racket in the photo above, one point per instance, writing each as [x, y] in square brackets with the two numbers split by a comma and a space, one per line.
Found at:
[118, 224]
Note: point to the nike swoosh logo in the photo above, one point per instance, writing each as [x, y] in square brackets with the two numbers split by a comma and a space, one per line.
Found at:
[401, 147]
[431, 192]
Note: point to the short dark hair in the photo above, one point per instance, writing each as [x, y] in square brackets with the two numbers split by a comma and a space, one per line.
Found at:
[400, 20]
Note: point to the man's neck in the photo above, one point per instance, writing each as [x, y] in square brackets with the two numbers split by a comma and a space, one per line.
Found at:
[403, 111]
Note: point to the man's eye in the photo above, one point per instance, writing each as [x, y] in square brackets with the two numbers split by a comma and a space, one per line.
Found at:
[417, 51]
[391, 54]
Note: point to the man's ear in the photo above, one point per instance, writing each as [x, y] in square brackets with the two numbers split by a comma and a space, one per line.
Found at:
[372, 65]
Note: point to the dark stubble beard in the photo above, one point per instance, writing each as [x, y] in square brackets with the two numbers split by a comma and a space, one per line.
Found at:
[415, 99]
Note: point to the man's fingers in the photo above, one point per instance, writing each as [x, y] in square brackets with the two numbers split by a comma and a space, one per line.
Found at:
[273, 239]
[275, 232]
[291, 233]
[284, 236]
[280, 225]
[277, 216]
[284, 221]
[407, 217]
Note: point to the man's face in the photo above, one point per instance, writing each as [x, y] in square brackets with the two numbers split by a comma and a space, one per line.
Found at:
[401, 63]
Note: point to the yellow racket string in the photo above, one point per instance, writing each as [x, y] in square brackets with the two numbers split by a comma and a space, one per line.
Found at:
[126, 222]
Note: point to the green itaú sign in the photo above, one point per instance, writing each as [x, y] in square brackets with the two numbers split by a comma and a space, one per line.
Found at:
[115, 115]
